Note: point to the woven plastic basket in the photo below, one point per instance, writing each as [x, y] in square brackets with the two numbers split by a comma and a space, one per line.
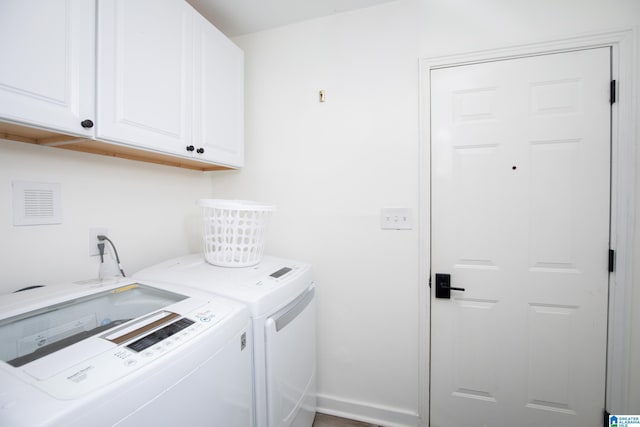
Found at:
[234, 231]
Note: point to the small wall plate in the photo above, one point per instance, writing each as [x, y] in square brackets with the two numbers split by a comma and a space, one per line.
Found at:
[36, 203]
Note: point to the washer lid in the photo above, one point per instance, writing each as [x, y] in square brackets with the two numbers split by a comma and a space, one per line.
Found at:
[49, 330]
[39, 332]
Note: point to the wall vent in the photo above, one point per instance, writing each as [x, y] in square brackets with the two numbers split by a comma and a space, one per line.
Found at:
[36, 203]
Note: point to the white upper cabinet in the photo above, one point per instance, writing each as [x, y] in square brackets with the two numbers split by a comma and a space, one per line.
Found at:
[144, 73]
[47, 76]
[218, 114]
[170, 81]
[153, 81]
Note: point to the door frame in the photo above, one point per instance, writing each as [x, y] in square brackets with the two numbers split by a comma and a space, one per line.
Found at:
[623, 200]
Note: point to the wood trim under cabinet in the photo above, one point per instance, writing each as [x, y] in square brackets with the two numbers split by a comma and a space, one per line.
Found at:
[30, 135]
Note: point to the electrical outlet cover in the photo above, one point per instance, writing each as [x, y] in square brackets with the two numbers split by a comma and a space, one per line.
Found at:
[94, 232]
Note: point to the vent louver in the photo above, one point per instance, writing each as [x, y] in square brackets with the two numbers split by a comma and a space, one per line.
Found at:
[36, 203]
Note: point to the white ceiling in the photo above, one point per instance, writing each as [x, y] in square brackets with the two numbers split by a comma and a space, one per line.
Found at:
[238, 17]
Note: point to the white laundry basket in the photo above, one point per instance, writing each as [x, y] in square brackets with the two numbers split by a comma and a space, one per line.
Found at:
[234, 231]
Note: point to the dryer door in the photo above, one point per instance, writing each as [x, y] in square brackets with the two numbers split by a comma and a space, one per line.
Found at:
[290, 337]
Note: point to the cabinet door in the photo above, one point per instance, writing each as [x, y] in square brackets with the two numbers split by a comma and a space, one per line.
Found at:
[219, 96]
[47, 77]
[144, 73]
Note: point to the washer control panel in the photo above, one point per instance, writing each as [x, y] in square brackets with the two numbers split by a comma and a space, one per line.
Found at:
[129, 350]
[160, 335]
[278, 274]
[275, 277]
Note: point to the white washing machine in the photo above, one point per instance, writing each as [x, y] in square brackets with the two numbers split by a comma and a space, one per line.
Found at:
[123, 353]
[280, 295]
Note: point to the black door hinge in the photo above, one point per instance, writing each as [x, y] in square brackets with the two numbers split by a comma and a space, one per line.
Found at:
[429, 280]
[612, 92]
[612, 260]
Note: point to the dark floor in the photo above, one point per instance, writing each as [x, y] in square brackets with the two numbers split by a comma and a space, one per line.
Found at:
[323, 420]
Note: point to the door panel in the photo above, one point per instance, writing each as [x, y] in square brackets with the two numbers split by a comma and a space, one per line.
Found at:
[520, 219]
[291, 379]
[144, 70]
[219, 96]
[47, 77]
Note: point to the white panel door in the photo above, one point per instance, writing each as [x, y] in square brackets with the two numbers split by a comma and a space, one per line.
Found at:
[144, 73]
[47, 54]
[520, 221]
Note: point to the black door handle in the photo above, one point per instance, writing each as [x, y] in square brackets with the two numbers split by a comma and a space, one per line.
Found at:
[443, 286]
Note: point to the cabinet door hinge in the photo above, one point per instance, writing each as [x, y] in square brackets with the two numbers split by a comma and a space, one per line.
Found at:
[612, 92]
[612, 260]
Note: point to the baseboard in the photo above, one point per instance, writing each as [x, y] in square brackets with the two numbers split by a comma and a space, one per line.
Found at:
[366, 412]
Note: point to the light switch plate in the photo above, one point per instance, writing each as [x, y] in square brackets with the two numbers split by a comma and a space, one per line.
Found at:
[396, 219]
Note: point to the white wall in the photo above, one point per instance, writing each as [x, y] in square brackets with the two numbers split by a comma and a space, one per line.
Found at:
[330, 167]
[149, 209]
[459, 26]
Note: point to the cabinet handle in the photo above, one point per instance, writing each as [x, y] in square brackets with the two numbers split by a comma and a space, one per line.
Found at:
[87, 124]
[200, 150]
[190, 148]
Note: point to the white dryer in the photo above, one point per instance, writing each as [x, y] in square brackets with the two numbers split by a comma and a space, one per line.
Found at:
[280, 295]
[123, 353]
